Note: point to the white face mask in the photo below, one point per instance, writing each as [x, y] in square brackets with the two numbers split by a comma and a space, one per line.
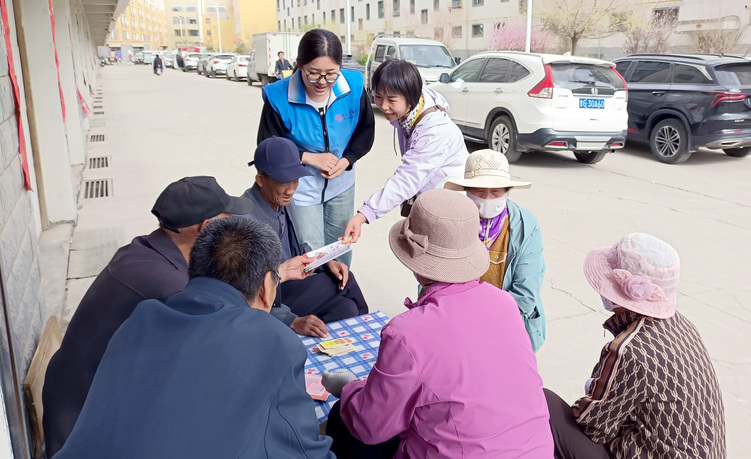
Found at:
[489, 208]
[607, 304]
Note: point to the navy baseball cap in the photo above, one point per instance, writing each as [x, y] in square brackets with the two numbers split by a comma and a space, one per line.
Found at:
[191, 200]
[279, 158]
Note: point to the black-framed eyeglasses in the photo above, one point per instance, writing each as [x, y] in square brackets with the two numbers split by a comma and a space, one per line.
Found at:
[316, 77]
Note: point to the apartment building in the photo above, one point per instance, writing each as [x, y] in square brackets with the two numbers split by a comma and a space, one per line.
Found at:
[206, 24]
[251, 17]
[467, 26]
[142, 26]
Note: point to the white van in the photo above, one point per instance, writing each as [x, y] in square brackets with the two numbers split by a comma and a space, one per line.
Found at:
[429, 56]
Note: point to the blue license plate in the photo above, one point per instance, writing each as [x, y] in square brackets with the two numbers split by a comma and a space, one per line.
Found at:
[592, 103]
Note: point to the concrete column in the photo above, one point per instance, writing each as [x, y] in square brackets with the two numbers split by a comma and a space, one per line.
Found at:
[73, 115]
[47, 129]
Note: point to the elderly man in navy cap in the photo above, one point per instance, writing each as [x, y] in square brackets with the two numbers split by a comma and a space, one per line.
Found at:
[331, 293]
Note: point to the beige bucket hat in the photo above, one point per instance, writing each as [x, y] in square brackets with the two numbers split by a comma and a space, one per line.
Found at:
[485, 169]
[439, 239]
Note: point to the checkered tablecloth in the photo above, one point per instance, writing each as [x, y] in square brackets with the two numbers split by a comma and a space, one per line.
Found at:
[366, 331]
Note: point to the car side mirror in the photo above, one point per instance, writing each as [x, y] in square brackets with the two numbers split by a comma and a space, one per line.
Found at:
[444, 78]
[458, 60]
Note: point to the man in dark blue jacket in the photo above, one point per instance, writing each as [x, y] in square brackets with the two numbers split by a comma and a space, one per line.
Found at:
[209, 373]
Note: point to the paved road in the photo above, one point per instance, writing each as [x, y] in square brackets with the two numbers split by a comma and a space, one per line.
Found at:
[162, 128]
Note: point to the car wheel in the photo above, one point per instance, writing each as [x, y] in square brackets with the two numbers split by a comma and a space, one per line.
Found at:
[737, 152]
[590, 157]
[250, 81]
[502, 138]
[669, 142]
[213, 73]
[264, 80]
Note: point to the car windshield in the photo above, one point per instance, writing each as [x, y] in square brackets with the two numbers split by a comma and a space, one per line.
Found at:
[194, 55]
[224, 56]
[575, 76]
[426, 55]
[735, 75]
[243, 59]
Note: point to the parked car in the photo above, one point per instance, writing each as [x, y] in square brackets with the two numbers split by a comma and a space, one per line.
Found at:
[148, 57]
[681, 102]
[237, 69]
[349, 62]
[169, 59]
[520, 102]
[430, 57]
[138, 58]
[190, 61]
[201, 66]
[217, 65]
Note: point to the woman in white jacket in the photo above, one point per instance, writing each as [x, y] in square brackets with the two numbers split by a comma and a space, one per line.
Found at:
[432, 146]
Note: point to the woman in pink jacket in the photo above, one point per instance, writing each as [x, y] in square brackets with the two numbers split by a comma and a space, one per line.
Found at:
[431, 144]
[455, 375]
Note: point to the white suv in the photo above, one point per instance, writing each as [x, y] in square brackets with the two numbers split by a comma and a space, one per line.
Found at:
[519, 102]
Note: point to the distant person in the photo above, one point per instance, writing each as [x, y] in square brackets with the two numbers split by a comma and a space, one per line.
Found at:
[323, 109]
[455, 374]
[432, 147]
[510, 234]
[152, 266]
[281, 66]
[654, 392]
[158, 65]
[208, 373]
[331, 293]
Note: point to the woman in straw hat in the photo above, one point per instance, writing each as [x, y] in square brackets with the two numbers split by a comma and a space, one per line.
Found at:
[510, 235]
[654, 392]
[455, 374]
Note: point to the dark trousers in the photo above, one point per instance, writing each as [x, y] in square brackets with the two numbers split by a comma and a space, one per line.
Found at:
[319, 294]
[570, 441]
[346, 446]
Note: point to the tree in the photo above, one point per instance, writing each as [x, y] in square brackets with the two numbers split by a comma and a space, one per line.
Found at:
[512, 36]
[572, 20]
[715, 41]
[241, 47]
[644, 36]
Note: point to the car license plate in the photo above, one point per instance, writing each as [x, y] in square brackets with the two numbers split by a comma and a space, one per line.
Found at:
[592, 103]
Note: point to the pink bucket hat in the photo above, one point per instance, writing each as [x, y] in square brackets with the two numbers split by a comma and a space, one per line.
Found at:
[439, 238]
[639, 273]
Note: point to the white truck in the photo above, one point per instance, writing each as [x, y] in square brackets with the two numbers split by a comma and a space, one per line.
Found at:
[429, 56]
[263, 58]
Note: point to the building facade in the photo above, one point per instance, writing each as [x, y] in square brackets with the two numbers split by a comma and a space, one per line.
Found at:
[201, 23]
[48, 72]
[251, 17]
[467, 26]
[142, 26]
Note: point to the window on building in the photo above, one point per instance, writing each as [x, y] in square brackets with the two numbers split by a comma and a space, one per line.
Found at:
[313, 19]
[285, 24]
[380, 9]
[456, 32]
[133, 9]
[333, 15]
[367, 12]
[133, 23]
[478, 2]
[423, 16]
[456, 4]
[411, 6]
[341, 15]
[359, 24]
[318, 4]
[306, 19]
[208, 20]
[305, 2]
[194, 33]
[299, 23]
[277, 5]
[192, 21]
[178, 33]
[669, 15]
[352, 14]
[190, 9]
[324, 17]
[436, 5]
[279, 25]
[478, 30]
[208, 32]
[397, 8]
[125, 34]
[123, 21]
[116, 35]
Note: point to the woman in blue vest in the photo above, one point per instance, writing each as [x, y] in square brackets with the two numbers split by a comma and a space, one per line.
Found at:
[325, 111]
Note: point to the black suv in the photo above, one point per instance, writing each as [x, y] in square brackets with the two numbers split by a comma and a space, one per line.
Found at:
[680, 102]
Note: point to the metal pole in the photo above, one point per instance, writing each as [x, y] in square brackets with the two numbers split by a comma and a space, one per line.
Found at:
[349, 29]
[199, 7]
[528, 40]
[218, 25]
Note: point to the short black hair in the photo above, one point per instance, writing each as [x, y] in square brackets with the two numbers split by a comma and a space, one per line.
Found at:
[280, 52]
[318, 43]
[238, 251]
[399, 77]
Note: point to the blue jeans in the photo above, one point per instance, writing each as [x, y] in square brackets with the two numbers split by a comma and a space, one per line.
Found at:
[323, 224]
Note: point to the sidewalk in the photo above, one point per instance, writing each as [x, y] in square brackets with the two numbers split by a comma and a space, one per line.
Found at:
[159, 129]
